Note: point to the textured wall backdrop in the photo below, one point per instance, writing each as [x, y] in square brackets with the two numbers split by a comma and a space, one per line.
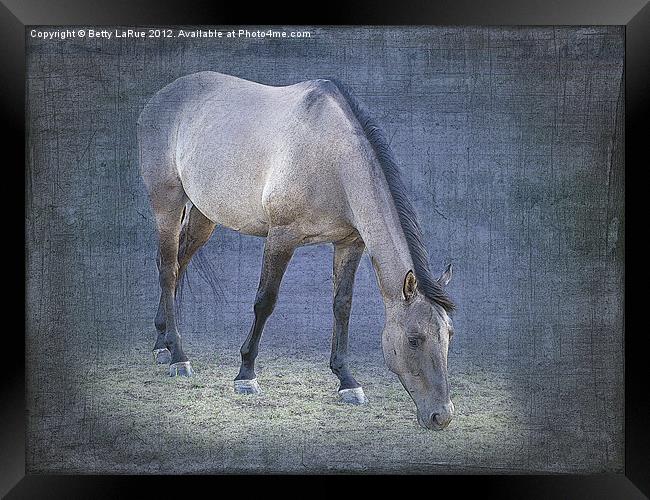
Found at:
[510, 141]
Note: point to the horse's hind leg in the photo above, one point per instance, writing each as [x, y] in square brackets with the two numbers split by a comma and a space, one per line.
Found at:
[160, 352]
[168, 202]
[346, 261]
[195, 232]
[278, 251]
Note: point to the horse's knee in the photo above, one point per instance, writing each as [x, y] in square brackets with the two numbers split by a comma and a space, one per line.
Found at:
[265, 303]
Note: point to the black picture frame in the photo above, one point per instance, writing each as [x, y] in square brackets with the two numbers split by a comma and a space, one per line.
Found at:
[15, 15]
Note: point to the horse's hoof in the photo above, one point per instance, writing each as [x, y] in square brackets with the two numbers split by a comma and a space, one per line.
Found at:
[181, 369]
[162, 356]
[353, 396]
[247, 387]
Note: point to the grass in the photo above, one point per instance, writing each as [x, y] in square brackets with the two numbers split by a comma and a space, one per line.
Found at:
[130, 417]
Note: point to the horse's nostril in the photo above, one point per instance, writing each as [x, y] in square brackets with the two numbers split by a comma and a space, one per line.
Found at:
[439, 420]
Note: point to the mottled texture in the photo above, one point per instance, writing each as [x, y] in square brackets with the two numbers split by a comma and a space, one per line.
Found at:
[511, 141]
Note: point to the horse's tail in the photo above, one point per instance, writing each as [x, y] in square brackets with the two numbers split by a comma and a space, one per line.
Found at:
[200, 262]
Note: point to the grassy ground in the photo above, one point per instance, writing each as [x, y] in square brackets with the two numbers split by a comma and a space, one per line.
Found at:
[131, 417]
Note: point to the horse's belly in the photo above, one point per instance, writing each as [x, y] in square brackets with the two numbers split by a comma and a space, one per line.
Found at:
[227, 206]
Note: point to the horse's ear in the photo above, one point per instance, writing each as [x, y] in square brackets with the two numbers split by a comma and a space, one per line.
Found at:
[445, 277]
[410, 286]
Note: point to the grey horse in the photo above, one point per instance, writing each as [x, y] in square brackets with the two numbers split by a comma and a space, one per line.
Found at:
[299, 164]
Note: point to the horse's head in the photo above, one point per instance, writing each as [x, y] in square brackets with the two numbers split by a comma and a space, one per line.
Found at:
[415, 342]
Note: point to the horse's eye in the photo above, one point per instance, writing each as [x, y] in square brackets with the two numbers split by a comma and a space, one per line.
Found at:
[414, 342]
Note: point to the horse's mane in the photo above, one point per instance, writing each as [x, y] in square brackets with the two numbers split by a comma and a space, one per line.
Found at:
[426, 283]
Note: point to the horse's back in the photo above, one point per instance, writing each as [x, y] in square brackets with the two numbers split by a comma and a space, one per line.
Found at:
[251, 155]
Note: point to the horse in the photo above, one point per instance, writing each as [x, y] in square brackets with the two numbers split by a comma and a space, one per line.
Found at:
[298, 164]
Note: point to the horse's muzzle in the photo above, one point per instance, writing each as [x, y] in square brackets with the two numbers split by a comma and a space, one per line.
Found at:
[438, 421]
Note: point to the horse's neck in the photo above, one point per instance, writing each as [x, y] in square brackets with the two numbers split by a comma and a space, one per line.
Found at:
[378, 224]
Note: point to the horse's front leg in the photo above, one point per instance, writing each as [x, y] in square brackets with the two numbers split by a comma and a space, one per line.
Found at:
[346, 261]
[278, 251]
